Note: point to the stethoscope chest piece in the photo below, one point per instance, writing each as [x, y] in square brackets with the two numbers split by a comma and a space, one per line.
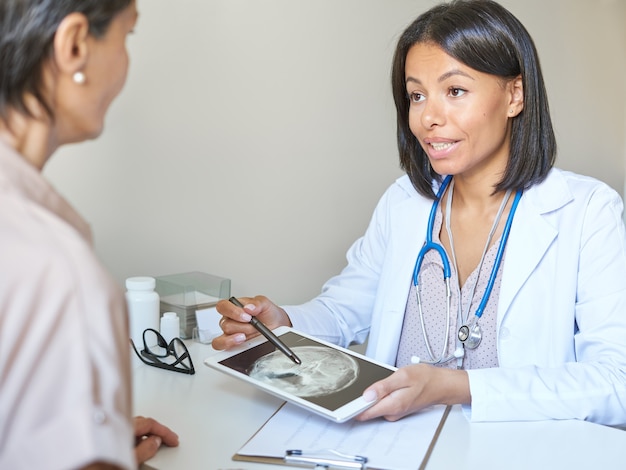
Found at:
[470, 335]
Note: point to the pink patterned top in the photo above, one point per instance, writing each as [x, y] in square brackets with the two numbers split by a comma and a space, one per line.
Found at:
[433, 297]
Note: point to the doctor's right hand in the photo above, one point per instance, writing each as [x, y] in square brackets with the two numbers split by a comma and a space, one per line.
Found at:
[235, 322]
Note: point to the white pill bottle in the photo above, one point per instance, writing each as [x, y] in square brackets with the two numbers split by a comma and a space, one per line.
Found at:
[170, 326]
[143, 308]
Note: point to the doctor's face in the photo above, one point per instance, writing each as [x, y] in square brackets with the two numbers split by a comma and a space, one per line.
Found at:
[460, 116]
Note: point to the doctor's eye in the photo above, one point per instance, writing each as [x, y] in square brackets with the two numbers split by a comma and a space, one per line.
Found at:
[456, 92]
[416, 97]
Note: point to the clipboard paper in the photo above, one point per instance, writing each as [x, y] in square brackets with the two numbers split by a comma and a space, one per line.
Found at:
[401, 445]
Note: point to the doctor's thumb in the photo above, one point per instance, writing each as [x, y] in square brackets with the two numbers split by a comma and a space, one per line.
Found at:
[370, 395]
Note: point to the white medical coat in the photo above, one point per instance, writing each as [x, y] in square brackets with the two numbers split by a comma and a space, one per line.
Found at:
[561, 320]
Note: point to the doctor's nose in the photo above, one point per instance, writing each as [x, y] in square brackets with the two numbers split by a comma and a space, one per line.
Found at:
[433, 114]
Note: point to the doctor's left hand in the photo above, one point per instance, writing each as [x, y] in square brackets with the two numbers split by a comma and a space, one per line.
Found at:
[415, 387]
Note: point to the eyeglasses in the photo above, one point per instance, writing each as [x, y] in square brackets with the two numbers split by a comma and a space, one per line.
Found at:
[173, 356]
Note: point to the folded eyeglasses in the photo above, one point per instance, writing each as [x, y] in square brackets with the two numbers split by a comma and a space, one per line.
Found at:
[173, 356]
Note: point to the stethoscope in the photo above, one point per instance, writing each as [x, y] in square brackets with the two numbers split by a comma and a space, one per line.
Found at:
[470, 334]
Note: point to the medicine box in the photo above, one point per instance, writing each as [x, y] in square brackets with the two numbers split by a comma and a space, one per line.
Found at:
[185, 293]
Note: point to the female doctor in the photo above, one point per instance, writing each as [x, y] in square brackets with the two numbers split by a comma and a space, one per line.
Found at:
[490, 278]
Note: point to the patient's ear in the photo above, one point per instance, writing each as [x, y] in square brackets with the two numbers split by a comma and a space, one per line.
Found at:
[70, 46]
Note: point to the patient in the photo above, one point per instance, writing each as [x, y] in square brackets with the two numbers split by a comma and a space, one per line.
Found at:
[65, 385]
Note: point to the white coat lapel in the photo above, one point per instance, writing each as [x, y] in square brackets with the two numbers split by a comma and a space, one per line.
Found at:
[407, 227]
[531, 235]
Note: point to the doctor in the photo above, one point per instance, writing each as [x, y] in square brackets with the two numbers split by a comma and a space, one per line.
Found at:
[490, 278]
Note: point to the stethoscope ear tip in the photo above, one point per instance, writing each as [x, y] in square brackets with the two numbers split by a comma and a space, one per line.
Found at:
[415, 360]
[459, 353]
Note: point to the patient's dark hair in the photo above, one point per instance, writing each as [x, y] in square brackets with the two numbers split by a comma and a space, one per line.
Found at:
[27, 29]
[486, 37]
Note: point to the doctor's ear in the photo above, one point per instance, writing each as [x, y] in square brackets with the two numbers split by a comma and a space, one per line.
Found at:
[516, 90]
[70, 46]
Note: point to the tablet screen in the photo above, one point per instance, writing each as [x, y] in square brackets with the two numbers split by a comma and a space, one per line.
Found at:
[329, 377]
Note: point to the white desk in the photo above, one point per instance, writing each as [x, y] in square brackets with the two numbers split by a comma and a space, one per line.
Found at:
[214, 415]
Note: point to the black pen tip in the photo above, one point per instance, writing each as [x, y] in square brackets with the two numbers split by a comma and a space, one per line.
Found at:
[297, 360]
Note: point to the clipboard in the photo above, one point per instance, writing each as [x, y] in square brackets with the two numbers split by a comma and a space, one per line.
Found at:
[330, 458]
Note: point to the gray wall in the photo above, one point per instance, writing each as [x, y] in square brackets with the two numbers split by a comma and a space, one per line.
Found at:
[254, 138]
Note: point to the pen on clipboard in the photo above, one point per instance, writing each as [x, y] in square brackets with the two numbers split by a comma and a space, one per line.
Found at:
[316, 460]
[271, 337]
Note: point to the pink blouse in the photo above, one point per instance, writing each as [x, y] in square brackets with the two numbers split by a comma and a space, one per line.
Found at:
[433, 297]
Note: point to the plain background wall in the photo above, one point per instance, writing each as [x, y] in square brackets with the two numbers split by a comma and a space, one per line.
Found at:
[254, 138]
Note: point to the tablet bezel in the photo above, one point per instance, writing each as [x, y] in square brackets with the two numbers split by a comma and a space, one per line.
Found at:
[339, 415]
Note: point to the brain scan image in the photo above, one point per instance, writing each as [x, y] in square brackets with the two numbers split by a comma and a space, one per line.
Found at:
[323, 371]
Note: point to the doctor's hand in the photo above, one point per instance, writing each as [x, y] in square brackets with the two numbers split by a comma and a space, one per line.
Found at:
[235, 322]
[415, 387]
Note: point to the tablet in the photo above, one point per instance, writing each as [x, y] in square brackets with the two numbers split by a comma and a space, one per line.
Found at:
[329, 382]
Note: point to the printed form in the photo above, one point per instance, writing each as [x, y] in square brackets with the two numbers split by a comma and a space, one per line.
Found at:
[387, 445]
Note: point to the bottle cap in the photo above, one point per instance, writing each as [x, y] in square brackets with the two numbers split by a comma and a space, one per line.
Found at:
[140, 283]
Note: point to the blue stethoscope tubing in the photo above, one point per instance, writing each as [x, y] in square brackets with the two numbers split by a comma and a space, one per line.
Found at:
[430, 245]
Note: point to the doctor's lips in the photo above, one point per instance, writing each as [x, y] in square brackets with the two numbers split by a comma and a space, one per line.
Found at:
[440, 145]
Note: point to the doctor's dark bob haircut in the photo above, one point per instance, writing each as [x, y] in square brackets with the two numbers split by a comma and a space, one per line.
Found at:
[486, 37]
[27, 29]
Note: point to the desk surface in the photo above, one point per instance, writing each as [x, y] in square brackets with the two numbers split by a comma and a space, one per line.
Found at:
[214, 415]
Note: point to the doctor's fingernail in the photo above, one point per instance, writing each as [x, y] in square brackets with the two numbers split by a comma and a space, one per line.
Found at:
[250, 307]
[246, 317]
[239, 338]
[370, 395]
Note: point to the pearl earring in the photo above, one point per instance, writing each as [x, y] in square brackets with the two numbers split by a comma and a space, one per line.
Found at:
[79, 78]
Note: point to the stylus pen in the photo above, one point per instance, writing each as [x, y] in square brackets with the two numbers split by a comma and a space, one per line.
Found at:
[271, 337]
